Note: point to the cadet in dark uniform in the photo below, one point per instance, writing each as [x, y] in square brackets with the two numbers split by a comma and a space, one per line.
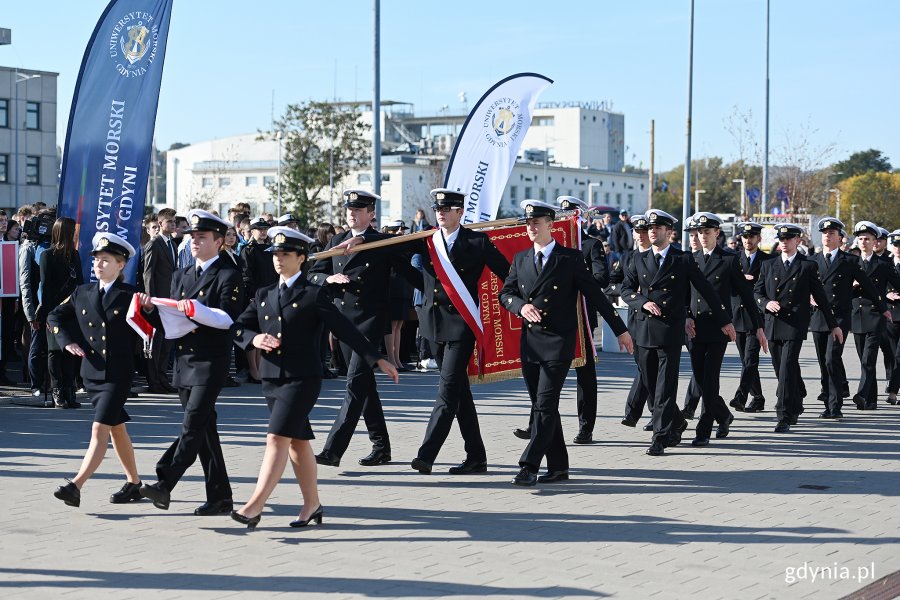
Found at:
[258, 272]
[637, 395]
[870, 317]
[586, 375]
[542, 288]
[468, 252]
[888, 340]
[91, 323]
[838, 270]
[359, 285]
[722, 270]
[783, 289]
[657, 284]
[893, 299]
[286, 322]
[201, 366]
[751, 259]
[692, 394]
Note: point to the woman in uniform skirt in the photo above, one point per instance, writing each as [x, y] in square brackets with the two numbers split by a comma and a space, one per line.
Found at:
[91, 323]
[285, 321]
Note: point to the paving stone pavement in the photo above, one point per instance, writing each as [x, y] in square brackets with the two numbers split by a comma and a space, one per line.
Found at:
[756, 515]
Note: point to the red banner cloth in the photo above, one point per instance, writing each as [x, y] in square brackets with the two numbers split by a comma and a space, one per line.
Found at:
[502, 329]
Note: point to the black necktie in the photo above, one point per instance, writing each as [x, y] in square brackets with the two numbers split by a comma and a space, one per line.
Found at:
[198, 271]
[172, 251]
[828, 259]
[282, 290]
[102, 293]
[659, 260]
[540, 261]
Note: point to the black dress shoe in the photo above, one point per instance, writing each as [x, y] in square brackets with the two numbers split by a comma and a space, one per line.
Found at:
[724, 429]
[648, 427]
[792, 419]
[756, 405]
[826, 414]
[219, 507]
[738, 404]
[522, 434]
[656, 449]
[525, 478]
[71, 400]
[469, 466]
[553, 476]
[583, 437]
[836, 415]
[860, 403]
[687, 414]
[783, 426]
[69, 493]
[130, 492]
[159, 495]
[316, 516]
[375, 457]
[629, 422]
[421, 466]
[892, 398]
[700, 441]
[250, 522]
[871, 406]
[675, 435]
[328, 459]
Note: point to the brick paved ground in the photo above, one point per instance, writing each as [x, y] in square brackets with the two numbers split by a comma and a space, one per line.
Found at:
[740, 518]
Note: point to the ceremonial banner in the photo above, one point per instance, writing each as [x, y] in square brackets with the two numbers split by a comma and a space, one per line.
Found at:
[106, 162]
[485, 152]
[502, 329]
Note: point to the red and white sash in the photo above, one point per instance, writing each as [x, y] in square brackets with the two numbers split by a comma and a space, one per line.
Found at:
[460, 297]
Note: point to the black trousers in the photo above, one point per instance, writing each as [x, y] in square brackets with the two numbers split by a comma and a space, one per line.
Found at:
[887, 343]
[637, 397]
[361, 399]
[833, 376]
[659, 370]
[706, 362]
[545, 381]
[454, 401]
[790, 391]
[693, 393]
[158, 363]
[199, 438]
[867, 349]
[748, 349]
[894, 380]
[62, 367]
[586, 392]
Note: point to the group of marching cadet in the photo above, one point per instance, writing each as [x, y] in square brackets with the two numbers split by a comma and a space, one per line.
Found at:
[704, 298]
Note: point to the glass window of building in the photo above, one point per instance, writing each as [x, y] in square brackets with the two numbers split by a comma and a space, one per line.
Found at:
[513, 192]
[33, 170]
[4, 112]
[528, 195]
[206, 182]
[250, 180]
[32, 115]
[268, 180]
[224, 181]
[4, 168]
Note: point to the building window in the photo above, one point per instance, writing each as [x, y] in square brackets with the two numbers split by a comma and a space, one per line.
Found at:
[32, 115]
[542, 121]
[528, 193]
[4, 112]
[385, 177]
[224, 181]
[268, 180]
[556, 193]
[33, 170]
[4, 168]
[606, 198]
[206, 182]
[630, 201]
[513, 192]
[363, 178]
[250, 180]
[618, 199]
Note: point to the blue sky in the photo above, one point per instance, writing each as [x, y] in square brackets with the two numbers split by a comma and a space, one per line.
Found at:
[834, 70]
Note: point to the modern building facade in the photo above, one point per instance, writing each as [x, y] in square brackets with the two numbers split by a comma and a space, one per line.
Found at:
[29, 158]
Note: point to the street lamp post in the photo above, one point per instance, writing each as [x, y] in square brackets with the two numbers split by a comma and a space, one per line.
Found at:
[697, 199]
[743, 194]
[837, 205]
[24, 78]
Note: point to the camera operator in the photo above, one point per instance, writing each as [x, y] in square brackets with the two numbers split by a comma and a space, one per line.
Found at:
[36, 232]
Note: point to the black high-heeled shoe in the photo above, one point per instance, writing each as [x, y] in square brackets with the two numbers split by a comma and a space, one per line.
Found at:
[250, 522]
[316, 516]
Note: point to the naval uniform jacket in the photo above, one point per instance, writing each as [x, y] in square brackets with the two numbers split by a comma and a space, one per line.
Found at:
[439, 321]
[724, 273]
[868, 315]
[296, 317]
[202, 355]
[670, 288]
[258, 268]
[838, 282]
[742, 318]
[592, 249]
[365, 299]
[100, 328]
[894, 305]
[554, 292]
[791, 290]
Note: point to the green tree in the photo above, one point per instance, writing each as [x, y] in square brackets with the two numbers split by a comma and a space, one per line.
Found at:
[321, 141]
[873, 197]
[861, 162]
